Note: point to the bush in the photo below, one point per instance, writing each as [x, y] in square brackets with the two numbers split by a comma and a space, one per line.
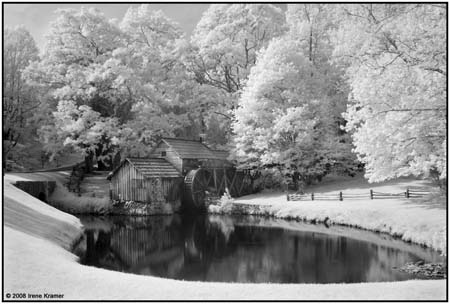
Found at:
[70, 202]
[225, 204]
[269, 179]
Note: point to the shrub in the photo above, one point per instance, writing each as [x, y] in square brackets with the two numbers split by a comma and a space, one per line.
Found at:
[70, 202]
[225, 204]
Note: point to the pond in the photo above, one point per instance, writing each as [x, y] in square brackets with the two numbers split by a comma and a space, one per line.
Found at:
[245, 249]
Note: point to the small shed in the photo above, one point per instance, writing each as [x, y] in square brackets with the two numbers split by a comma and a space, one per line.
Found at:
[147, 180]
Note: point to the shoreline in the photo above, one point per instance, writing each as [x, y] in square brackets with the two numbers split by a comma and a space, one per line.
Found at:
[330, 217]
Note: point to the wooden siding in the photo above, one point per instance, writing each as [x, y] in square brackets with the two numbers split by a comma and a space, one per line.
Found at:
[173, 158]
[156, 152]
[130, 185]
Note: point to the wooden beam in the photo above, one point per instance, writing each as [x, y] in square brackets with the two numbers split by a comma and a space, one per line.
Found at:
[215, 181]
[232, 183]
[242, 185]
[221, 187]
[225, 177]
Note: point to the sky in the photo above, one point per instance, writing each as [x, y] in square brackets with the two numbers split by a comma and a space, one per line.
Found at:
[37, 17]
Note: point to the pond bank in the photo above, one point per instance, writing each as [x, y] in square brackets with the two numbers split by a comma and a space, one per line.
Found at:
[37, 260]
[413, 220]
[399, 218]
[428, 270]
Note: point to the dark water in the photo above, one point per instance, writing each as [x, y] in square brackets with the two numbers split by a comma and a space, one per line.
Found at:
[244, 249]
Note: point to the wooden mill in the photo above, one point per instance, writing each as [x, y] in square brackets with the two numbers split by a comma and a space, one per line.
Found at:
[206, 173]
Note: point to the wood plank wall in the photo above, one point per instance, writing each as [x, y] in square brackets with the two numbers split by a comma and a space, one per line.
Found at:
[174, 159]
[130, 185]
[171, 156]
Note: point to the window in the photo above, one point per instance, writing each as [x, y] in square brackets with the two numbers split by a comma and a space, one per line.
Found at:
[163, 153]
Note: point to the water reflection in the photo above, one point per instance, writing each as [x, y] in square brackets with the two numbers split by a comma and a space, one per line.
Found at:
[215, 248]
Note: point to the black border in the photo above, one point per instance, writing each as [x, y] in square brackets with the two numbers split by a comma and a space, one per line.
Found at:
[210, 2]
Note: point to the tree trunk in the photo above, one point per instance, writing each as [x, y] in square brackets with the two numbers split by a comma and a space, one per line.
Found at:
[89, 162]
[116, 160]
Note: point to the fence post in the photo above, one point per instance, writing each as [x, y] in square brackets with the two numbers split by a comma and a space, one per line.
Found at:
[287, 197]
[312, 196]
[340, 196]
[407, 192]
[371, 194]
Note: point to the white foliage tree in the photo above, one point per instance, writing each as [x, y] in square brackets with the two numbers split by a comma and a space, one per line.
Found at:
[282, 116]
[19, 98]
[82, 129]
[396, 59]
[228, 38]
[76, 65]
[164, 92]
[312, 26]
[131, 72]
[224, 47]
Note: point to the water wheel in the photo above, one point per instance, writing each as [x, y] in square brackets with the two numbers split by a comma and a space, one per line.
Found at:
[197, 184]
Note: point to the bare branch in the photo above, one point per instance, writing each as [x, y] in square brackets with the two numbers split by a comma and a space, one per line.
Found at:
[435, 70]
[413, 110]
[225, 115]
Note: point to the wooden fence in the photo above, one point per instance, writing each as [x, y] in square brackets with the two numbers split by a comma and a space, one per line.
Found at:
[409, 193]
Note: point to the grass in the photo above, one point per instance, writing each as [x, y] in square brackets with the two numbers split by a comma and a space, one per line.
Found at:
[436, 199]
[70, 202]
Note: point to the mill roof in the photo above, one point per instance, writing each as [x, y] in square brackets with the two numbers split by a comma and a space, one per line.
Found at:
[190, 149]
[152, 167]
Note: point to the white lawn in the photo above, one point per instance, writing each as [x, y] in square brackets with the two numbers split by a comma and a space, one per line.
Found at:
[37, 261]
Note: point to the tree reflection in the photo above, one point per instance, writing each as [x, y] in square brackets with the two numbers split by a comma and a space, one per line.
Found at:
[215, 248]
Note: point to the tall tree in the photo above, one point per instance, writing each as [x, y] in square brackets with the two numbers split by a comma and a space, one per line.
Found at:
[83, 129]
[312, 26]
[228, 38]
[289, 114]
[225, 45]
[165, 94]
[76, 60]
[19, 100]
[282, 118]
[396, 62]
[77, 66]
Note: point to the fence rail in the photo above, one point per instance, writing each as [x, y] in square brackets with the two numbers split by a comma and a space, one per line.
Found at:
[409, 193]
